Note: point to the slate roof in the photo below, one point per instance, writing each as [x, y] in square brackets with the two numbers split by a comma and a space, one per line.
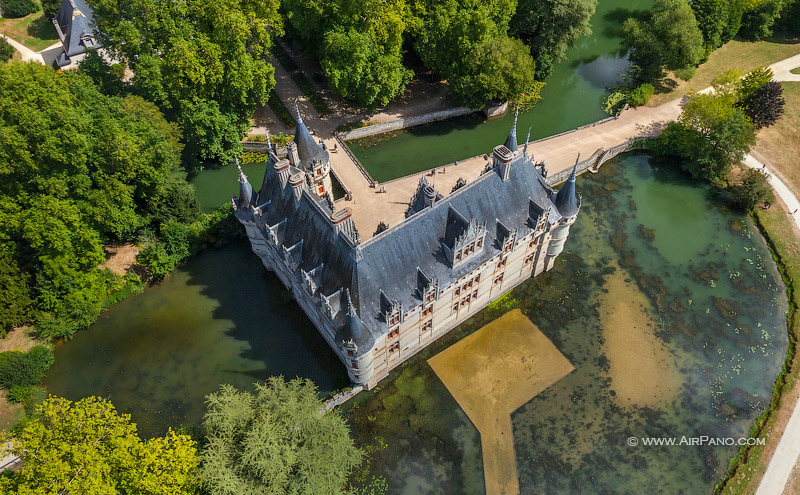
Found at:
[307, 148]
[566, 200]
[75, 28]
[389, 267]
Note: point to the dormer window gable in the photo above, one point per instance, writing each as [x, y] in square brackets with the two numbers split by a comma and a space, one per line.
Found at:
[390, 310]
[505, 238]
[426, 287]
[463, 238]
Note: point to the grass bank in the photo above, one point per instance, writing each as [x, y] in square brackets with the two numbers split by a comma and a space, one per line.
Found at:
[747, 468]
[34, 31]
[744, 55]
[779, 145]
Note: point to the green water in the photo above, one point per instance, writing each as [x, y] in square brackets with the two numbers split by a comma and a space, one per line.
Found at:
[571, 98]
[219, 319]
[216, 186]
[699, 264]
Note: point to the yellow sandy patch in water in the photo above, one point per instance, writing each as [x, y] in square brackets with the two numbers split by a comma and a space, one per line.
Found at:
[491, 374]
[642, 370]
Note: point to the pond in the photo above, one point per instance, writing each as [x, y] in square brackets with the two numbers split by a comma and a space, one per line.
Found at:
[221, 318]
[672, 313]
[572, 97]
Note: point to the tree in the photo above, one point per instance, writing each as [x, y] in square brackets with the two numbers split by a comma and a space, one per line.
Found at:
[765, 105]
[668, 39]
[6, 51]
[640, 95]
[277, 439]
[14, 291]
[759, 18]
[549, 27]
[754, 190]
[500, 69]
[77, 168]
[19, 8]
[718, 20]
[790, 15]
[86, 447]
[196, 56]
[709, 137]
[50, 8]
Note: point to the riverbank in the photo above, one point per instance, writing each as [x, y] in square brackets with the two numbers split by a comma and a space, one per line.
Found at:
[747, 469]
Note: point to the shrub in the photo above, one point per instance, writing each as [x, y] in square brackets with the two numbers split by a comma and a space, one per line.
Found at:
[6, 50]
[754, 190]
[156, 259]
[25, 369]
[641, 95]
[613, 102]
[19, 394]
[765, 105]
[19, 8]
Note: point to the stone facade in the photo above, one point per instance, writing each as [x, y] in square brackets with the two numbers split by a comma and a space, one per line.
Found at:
[378, 302]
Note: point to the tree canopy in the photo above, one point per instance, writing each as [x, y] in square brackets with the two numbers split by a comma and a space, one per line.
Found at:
[275, 440]
[667, 39]
[549, 27]
[87, 447]
[77, 169]
[202, 62]
[711, 135]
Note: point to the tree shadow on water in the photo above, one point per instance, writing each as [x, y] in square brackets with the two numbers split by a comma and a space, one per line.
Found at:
[278, 333]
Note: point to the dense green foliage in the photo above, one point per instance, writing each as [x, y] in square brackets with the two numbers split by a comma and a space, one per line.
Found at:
[6, 50]
[202, 63]
[640, 95]
[78, 169]
[18, 8]
[790, 15]
[275, 440]
[754, 190]
[358, 43]
[668, 38]
[759, 18]
[765, 105]
[711, 135]
[50, 8]
[550, 27]
[718, 20]
[86, 447]
[24, 369]
[463, 42]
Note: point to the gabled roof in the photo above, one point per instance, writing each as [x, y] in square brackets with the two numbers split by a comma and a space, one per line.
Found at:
[74, 24]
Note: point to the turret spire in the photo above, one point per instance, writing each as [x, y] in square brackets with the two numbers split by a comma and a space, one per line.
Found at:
[527, 139]
[269, 141]
[566, 199]
[511, 141]
[297, 110]
[353, 321]
[242, 177]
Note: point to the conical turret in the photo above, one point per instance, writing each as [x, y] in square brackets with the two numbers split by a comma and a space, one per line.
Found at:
[307, 148]
[245, 189]
[527, 139]
[566, 199]
[511, 140]
[353, 321]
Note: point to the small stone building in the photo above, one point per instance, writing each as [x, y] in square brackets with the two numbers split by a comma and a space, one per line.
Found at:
[378, 301]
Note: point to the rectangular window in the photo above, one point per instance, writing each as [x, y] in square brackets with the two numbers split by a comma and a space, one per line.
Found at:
[475, 294]
[426, 312]
[501, 263]
[394, 348]
[457, 291]
[477, 278]
[458, 255]
[394, 333]
[354, 364]
[455, 308]
[528, 259]
[479, 243]
[428, 325]
[394, 319]
[349, 353]
[498, 280]
[430, 296]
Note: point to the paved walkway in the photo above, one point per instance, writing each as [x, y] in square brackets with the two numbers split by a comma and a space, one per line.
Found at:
[27, 54]
[782, 69]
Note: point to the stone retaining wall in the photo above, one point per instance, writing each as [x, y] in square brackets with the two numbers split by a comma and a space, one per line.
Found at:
[394, 125]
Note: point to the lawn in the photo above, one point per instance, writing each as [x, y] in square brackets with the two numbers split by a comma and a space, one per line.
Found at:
[796, 70]
[34, 31]
[745, 55]
[779, 145]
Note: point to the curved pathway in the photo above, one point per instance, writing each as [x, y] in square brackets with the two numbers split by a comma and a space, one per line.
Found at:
[787, 453]
[27, 54]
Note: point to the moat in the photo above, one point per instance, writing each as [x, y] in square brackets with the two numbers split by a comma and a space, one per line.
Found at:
[671, 333]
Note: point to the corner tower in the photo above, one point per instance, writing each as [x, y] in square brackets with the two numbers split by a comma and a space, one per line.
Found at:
[568, 204]
[305, 154]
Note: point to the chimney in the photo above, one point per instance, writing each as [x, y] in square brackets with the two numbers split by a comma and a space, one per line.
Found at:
[294, 158]
[502, 161]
